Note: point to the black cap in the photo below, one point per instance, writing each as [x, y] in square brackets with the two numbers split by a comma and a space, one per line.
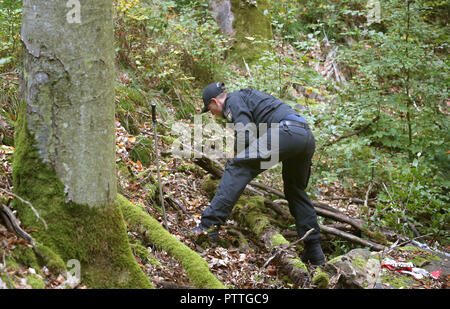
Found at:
[211, 91]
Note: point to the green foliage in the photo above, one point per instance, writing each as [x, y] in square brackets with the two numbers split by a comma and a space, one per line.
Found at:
[414, 195]
[397, 72]
[10, 16]
[10, 47]
[171, 46]
[275, 73]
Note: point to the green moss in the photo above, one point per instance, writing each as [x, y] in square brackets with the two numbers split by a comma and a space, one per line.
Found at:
[3, 199]
[129, 97]
[144, 255]
[253, 28]
[196, 268]
[11, 263]
[35, 282]
[8, 140]
[359, 262]
[210, 186]
[187, 167]
[129, 100]
[299, 247]
[124, 170]
[128, 121]
[7, 280]
[25, 256]
[142, 151]
[50, 259]
[411, 249]
[277, 239]
[152, 189]
[95, 236]
[333, 260]
[377, 236]
[424, 256]
[298, 263]
[240, 241]
[248, 210]
[419, 261]
[168, 139]
[395, 281]
[321, 279]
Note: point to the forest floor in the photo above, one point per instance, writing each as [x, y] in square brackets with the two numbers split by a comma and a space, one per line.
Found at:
[182, 181]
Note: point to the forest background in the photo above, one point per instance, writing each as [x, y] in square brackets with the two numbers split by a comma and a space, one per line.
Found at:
[372, 85]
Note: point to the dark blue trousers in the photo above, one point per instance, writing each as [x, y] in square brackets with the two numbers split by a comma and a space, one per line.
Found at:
[296, 147]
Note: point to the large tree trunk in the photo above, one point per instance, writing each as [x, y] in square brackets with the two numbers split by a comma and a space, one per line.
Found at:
[248, 22]
[64, 157]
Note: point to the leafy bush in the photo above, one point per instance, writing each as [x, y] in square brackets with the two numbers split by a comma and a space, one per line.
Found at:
[10, 15]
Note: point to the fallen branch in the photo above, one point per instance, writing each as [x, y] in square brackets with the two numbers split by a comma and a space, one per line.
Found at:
[278, 209]
[176, 204]
[351, 237]
[325, 206]
[250, 212]
[268, 189]
[340, 217]
[12, 224]
[352, 200]
[406, 242]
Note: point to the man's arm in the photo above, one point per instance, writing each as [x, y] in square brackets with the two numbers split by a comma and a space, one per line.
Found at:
[237, 112]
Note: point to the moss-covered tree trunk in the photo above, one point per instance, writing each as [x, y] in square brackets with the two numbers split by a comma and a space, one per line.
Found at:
[249, 23]
[65, 150]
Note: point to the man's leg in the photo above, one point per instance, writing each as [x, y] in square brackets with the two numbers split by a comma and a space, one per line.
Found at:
[238, 173]
[296, 173]
[235, 178]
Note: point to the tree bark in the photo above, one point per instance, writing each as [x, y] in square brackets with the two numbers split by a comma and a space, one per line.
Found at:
[248, 23]
[65, 148]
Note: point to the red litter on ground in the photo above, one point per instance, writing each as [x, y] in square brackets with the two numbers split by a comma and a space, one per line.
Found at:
[408, 268]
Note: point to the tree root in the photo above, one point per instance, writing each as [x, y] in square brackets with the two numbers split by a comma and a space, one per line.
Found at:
[12, 224]
[152, 232]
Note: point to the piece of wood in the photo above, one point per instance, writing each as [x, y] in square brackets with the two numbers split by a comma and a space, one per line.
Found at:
[352, 200]
[12, 224]
[174, 203]
[351, 237]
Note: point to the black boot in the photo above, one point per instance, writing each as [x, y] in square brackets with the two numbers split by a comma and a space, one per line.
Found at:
[313, 253]
[212, 232]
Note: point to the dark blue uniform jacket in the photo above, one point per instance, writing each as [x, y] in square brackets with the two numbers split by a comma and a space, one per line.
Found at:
[253, 106]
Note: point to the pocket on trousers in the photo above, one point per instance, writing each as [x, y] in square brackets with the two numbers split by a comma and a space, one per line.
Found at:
[308, 176]
[297, 130]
